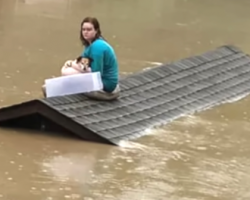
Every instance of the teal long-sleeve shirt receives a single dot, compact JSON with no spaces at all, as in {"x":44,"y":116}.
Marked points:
{"x":103,"y":60}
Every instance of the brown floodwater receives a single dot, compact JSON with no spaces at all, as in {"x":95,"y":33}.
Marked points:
{"x":198,"y":157}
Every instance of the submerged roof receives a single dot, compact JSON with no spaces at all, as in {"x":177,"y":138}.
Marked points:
{"x":148,"y":98}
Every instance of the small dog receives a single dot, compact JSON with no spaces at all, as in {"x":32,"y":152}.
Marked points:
{"x":84,"y":63}
{"x":80,"y":65}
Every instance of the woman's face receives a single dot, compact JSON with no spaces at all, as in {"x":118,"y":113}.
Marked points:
{"x":88,"y":31}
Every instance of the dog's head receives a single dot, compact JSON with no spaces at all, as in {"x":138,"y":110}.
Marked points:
{"x":85,"y":62}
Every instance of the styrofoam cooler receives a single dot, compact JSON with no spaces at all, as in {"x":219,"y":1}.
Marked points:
{"x":73,"y":84}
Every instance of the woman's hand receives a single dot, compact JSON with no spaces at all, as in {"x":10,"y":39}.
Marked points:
{"x":88,"y":70}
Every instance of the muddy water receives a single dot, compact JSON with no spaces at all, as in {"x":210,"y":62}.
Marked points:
{"x":199,"y":157}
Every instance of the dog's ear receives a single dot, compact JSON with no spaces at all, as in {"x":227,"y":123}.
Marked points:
{"x":78,"y":59}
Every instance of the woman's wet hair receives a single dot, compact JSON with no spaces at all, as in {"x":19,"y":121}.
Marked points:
{"x":96,"y":26}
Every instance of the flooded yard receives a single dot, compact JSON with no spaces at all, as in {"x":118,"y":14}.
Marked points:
{"x":198,"y":157}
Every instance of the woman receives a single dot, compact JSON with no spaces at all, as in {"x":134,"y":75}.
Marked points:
{"x":102,"y":59}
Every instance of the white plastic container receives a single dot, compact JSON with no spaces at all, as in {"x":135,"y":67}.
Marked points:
{"x":73,"y":84}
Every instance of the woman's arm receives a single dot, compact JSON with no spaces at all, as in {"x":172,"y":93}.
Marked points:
{"x":95,"y":53}
{"x":97,"y":62}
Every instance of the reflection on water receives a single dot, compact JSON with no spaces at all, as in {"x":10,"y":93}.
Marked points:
{"x":198,"y":157}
